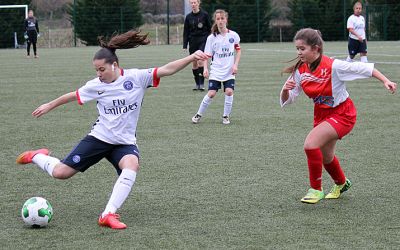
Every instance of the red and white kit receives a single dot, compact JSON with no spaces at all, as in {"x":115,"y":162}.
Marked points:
{"x":326,"y":86}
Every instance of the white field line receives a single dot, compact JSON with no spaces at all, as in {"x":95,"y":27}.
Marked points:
{"x":334,"y":54}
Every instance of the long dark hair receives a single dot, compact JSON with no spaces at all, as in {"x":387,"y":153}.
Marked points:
{"x":127,"y":40}
{"x":312,"y":38}
{"x":214,"y":28}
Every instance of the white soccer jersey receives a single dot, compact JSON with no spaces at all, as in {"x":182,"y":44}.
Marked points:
{"x":326,"y":85}
{"x":118,"y":104}
{"x":222,"y":50}
{"x":358,"y":24}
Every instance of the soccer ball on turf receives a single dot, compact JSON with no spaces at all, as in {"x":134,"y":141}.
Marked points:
{"x":37,"y":212}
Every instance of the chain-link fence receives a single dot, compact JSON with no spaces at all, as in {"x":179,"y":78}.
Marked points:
{"x":251,"y":21}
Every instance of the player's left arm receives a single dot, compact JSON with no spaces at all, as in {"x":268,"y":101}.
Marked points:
{"x":237,"y":59}
{"x":177,"y":65}
{"x":389,"y":85}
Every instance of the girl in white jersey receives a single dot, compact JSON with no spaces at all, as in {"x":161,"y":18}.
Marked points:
{"x":357,"y":39}
{"x":323,"y":79}
{"x":221,"y":46}
{"x":119,"y":95}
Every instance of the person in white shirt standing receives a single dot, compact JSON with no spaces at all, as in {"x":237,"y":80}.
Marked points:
{"x":119,"y":94}
{"x":224,"y":49}
{"x":357,"y":39}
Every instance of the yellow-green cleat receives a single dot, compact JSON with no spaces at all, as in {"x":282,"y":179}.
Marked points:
{"x":313,"y":196}
{"x":338,"y":189}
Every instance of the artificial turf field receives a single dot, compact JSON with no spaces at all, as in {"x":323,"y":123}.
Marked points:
{"x":203,"y":186}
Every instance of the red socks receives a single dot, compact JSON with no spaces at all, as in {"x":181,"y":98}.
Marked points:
{"x":314,"y":158}
{"x":335,"y":171}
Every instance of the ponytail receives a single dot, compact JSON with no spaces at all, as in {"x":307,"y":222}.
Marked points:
{"x":127,"y":40}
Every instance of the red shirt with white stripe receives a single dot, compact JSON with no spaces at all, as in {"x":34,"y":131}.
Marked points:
{"x":326,"y":84}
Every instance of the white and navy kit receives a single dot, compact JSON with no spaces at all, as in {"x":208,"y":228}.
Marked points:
{"x":222,"y":50}
{"x":354,"y":45}
{"x":118,"y":104}
{"x":358,"y":24}
{"x":114,"y":133}
{"x":326,"y":87}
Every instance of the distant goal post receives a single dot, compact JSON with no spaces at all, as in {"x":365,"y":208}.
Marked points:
{"x":16,"y":6}
{"x":22,"y":6}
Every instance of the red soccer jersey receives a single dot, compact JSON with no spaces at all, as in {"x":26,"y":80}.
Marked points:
{"x":326,"y":84}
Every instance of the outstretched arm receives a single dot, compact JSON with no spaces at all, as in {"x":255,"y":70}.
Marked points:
{"x":175,"y":66}
{"x":47,"y":107}
{"x":389,"y":85}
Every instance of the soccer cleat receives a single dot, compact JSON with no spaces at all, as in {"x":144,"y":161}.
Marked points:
{"x":112,"y":221}
{"x":225,"y":120}
{"x":313,"y":196}
{"x":196,"y":118}
{"x":26,"y":157}
{"x":338,"y":189}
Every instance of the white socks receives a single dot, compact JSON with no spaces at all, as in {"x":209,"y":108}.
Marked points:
{"x":364,"y":59}
{"x":204,"y":105}
{"x":121,"y":190}
{"x":207,"y":100}
{"x":45,"y":162}
{"x":228,"y":105}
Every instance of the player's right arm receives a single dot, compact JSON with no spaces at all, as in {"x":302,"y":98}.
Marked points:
{"x":47,"y":107}
{"x":290,"y":90}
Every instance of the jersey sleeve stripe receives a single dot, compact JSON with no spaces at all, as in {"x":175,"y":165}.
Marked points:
{"x":156,"y":80}
{"x":237,"y":47}
{"x":78,"y":98}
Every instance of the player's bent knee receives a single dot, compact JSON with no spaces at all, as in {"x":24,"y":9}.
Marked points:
{"x":63,"y":172}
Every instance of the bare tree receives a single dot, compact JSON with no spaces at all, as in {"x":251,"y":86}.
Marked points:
{"x":48,"y":8}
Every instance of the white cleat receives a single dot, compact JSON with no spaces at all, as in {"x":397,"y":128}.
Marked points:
{"x":196,"y":118}
{"x":225,"y":120}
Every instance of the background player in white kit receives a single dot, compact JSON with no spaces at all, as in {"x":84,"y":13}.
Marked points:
{"x":221,"y":45}
{"x":119,"y":95}
{"x":357,"y":39}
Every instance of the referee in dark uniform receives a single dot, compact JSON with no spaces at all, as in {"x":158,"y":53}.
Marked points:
{"x":32,"y":31}
{"x":195,"y":32}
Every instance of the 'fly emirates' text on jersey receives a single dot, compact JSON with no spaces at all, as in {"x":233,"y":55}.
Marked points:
{"x":118,"y":104}
{"x":222,"y":50}
{"x":326,"y":85}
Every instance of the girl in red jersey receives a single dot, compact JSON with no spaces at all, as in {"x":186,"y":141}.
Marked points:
{"x":323,"y":79}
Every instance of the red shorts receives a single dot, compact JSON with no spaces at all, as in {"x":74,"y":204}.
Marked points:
{"x":342,"y":117}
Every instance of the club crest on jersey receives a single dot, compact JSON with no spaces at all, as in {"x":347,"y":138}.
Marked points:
{"x":76,"y":158}
{"x":324,"y":72}
{"x":200,"y":25}
{"x":231,"y":40}
{"x":128,"y":85}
